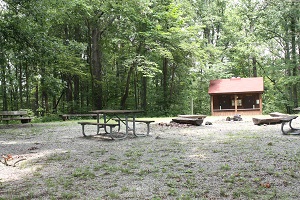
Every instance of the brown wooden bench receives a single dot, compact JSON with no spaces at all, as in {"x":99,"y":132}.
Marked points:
{"x":15,"y":115}
{"x":147,"y":122}
{"x":68,"y":116}
{"x":291,"y":130}
{"x":99,"y":125}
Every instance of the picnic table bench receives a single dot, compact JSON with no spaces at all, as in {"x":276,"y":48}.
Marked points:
{"x":147,"y":122}
{"x":288,"y":120}
{"x":15,"y":115}
{"x":100,"y":125}
{"x":68,"y":116}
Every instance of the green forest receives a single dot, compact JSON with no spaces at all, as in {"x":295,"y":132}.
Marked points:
{"x":72,"y":56}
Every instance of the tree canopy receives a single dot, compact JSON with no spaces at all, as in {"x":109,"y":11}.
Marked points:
{"x":59,"y":56}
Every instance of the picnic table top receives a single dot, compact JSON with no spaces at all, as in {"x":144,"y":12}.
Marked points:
{"x":116,"y":111}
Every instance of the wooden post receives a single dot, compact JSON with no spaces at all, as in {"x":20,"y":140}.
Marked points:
{"x":260,"y":103}
{"x":212,"y":104}
{"x":235,"y":103}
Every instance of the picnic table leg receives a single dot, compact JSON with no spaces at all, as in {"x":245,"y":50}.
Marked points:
{"x":293,"y":131}
{"x":83,"y":130}
{"x":116,"y":138}
{"x":133,"y":125}
{"x":140,"y":135}
{"x":110,"y":132}
{"x":134,"y":130}
{"x":119,"y":126}
{"x":282,"y":129}
{"x":126,"y":124}
{"x":119,"y":123}
{"x":148,"y":128}
{"x":105,"y":121}
{"x":290,"y":124}
{"x":98,"y":128}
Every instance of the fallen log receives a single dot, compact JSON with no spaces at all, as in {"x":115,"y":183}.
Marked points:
{"x":193,"y":121}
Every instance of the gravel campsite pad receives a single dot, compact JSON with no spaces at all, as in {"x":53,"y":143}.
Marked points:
{"x":225,"y":160}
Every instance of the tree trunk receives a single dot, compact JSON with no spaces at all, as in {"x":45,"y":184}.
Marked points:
{"x":97,"y":69}
{"x":69,"y":94}
{"x":165,"y":84}
{"x":254,"y":62}
{"x":288,"y":71}
{"x":20,"y":81}
{"x":126,"y":92}
{"x":45,"y":99}
{"x":294,"y":59}
{"x":172,"y":84}
{"x":76,"y":92}
{"x":36,"y":99}
{"x":136,"y":96}
{"x":89,"y":100}
{"x":27,"y":85}
{"x":13,"y":104}
{"x":3,"y":83}
{"x":144,"y":93}
{"x":207,"y":34}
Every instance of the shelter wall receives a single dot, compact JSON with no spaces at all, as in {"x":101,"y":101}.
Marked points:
{"x":231,"y":104}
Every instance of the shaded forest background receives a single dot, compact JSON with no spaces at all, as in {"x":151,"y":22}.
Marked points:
{"x":62,"y":56}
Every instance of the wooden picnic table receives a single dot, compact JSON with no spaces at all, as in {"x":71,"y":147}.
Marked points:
{"x":120,"y":116}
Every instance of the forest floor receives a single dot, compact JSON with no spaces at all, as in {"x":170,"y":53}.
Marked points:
{"x":225,"y":160}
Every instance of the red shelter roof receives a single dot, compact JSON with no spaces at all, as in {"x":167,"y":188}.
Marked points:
{"x":236,"y":85}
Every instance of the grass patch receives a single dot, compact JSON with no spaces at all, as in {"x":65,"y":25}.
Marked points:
{"x":83,"y":173}
{"x":225,"y":167}
{"x":59,"y":157}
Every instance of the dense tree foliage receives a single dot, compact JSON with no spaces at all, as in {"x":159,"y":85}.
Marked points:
{"x":60,"y":56}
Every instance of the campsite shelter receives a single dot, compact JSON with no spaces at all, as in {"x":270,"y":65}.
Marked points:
{"x":236,"y":95}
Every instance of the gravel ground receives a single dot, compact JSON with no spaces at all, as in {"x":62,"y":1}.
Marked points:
{"x":225,"y":160}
